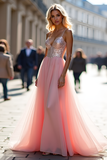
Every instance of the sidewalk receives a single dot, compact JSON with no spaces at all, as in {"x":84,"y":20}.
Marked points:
{"x":92,"y":95}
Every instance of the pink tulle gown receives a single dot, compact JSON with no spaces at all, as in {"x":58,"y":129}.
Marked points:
{"x":54,"y":121}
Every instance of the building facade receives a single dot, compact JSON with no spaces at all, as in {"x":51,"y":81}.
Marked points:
{"x":89,"y":25}
{"x":22,"y":20}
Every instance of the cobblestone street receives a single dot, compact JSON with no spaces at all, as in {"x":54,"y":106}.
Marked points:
{"x":92,"y":95}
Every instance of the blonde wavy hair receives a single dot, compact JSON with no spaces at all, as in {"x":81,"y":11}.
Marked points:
{"x":66,"y":22}
{"x":4,"y":41}
{"x":82,"y":54}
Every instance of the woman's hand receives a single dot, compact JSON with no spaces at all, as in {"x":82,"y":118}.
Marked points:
{"x":36,"y":82}
{"x":19,"y":67}
{"x":61,"y":81}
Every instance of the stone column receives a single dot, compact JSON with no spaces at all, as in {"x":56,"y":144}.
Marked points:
{"x":23,"y":30}
{"x":26,"y":28}
{"x":42,"y":38}
{"x":16,"y":32}
{"x":38,"y":35}
{"x":5,"y":19}
{"x":34,"y":30}
{"x":28,"y":23}
{"x":16,"y":28}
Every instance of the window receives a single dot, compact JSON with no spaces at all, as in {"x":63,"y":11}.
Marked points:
{"x":84,"y":17}
{"x":70,"y":11}
{"x":90,"y":34}
{"x":76,"y":29}
{"x":79,"y":16}
{"x":84,"y":31}
{"x":76,"y":14}
{"x":65,"y":7}
{"x":95,"y":21}
{"x":69,"y":1}
{"x":80,"y":30}
{"x":90,"y":19}
{"x":105,"y":37}
{"x":79,"y":3}
{"x":96,"y":34}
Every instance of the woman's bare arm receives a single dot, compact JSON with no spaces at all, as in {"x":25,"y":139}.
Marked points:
{"x":46,"y":50}
{"x":69,"y":42}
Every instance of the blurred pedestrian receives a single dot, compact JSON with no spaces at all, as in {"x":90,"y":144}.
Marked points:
{"x":16,"y":69}
{"x":105,"y":60}
{"x":99,"y":61}
{"x":27,"y":61}
{"x":6,"y":70}
{"x":40,"y":54}
{"x":4,"y":41}
{"x":78,"y":65}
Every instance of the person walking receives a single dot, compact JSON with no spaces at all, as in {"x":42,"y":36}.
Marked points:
{"x":27,"y":62}
{"x":99,"y":61}
{"x":40,"y":54}
{"x":78,"y":65}
{"x":105,"y":60}
{"x":6,"y":70}
{"x":54,"y":121}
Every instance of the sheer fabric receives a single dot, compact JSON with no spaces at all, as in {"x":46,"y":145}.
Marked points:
{"x":54,"y":121}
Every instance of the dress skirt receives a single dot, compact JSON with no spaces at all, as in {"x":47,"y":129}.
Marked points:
{"x":53,"y":120}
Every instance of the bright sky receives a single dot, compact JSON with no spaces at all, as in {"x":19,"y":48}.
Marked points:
{"x":98,"y":1}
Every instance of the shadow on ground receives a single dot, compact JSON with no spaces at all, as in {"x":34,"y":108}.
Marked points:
{"x":14,"y":155}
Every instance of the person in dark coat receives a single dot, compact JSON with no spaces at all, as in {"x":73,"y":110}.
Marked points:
{"x":105,"y":60}
{"x":99,"y":61}
{"x":27,"y":62}
{"x":78,"y":65}
{"x":40,"y":54}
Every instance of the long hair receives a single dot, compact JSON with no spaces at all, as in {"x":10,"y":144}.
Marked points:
{"x":66,"y":22}
{"x":82,"y":54}
{"x":4,"y":41}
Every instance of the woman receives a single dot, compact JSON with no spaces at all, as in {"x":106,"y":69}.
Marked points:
{"x":40,"y":54}
{"x":78,"y":65}
{"x":6,"y":70}
{"x":54,"y":122}
{"x":7,"y":51}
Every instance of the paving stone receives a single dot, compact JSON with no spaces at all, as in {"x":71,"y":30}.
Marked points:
{"x":39,"y":155}
{"x":29,"y":159}
{"x":1,"y":155}
{"x":8,"y":151}
{"x":52,"y":157}
{"x":78,"y":157}
{"x":6,"y":158}
{"x":94,"y":102}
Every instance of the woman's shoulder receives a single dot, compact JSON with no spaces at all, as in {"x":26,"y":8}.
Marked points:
{"x":68,"y":31}
{"x":48,"y":34}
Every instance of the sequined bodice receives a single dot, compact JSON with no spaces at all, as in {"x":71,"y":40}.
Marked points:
{"x":57,"y":48}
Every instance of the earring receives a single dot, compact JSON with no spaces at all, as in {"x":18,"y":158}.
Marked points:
{"x":62,"y":19}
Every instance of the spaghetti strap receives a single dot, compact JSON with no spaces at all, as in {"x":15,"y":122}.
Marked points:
{"x":64,"y":32}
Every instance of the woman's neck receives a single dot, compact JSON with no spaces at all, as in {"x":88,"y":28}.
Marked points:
{"x":60,"y":26}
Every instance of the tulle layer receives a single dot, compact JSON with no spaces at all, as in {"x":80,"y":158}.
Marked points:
{"x":54,"y":121}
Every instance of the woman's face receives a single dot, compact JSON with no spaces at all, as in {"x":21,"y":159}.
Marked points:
{"x":78,"y":54}
{"x":39,"y":51}
{"x":56,"y":17}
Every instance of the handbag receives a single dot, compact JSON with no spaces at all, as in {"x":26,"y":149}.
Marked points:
{"x":16,"y":69}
